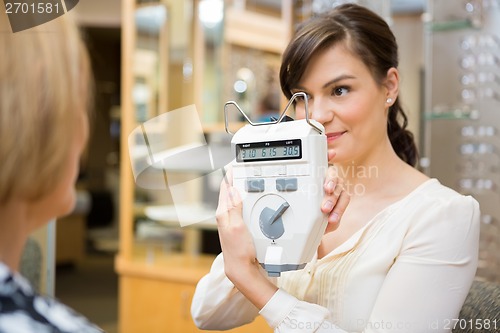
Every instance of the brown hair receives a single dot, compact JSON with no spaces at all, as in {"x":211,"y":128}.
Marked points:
{"x":45,"y":83}
{"x":365,"y":34}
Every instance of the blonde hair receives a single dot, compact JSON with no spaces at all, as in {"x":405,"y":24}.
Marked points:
{"x":44,"y":84}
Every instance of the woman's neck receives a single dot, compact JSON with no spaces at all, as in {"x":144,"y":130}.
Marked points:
{"x":372,"y":173}
{"x":14,"y":230}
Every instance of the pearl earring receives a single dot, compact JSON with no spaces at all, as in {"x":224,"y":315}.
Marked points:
{"x":389,"y":100}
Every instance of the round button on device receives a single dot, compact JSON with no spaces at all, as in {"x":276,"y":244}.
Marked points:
{"x":270,"y":221}
{"x":272,"y":211}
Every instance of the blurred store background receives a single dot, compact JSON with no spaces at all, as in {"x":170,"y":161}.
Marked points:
{"x":121,"y":258}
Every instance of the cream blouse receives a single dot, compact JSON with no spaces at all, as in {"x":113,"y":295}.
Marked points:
{"x":408,"y":270}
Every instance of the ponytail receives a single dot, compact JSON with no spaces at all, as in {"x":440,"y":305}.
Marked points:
{"x":402,"y":140}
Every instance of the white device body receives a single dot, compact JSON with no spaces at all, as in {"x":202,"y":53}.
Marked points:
{"x":288,"y":184}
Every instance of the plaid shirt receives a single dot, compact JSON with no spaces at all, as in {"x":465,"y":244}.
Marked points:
{"x":22,"y":310}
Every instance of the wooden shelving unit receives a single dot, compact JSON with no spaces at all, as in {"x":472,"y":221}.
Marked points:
{"x":156,"y":285}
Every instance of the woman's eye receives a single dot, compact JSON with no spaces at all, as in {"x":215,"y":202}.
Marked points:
{"x":340,"y":91}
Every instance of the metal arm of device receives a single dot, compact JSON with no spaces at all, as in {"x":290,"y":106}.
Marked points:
{"x":282,"y":115}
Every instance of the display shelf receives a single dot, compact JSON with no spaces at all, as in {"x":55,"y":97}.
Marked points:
{"x":449,"y":25}
{"x":449,"y":116}
{"x":202,"y":216}
{"x":157,"y":280}
{"x":449,"y":112}
{"x":461,"y":130}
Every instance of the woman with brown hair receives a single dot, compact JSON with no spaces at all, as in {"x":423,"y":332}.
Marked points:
{"x":405,"y":253}
{"x":44,"y":101}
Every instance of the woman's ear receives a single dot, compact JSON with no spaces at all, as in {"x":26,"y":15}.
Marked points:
{"x":392,"y":83}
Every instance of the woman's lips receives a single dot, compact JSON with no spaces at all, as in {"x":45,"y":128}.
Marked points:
{"x":334,"y":136}
{"x":331,"y":137}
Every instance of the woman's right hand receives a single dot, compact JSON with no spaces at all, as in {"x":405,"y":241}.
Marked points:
{"x":240,"y":263}
{"x":236,"y":240}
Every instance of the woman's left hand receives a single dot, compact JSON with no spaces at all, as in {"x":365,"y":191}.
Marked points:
{"x":336,"y":199}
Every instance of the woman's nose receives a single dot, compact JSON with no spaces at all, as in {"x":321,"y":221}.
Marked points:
{"x":320,"y":111}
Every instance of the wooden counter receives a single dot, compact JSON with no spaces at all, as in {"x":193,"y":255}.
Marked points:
{"x":156,"y":290}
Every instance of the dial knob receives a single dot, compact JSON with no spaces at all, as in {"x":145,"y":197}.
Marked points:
{"x":271,"y":222}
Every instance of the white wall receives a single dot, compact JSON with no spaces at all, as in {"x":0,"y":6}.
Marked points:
{"x":409,"y":33}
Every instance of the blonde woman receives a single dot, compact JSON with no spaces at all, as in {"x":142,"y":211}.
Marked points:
{"x":405,"y":253}
{"x":44,"y":94}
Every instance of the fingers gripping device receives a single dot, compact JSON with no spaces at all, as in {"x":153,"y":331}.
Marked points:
{"x":279,"y":171}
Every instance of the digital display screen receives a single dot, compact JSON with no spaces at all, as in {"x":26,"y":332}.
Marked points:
{"x":270,"y":150}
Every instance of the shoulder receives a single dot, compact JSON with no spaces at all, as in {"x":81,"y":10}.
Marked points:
{"x":439,"y":213}
{"x":434,"y":197}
